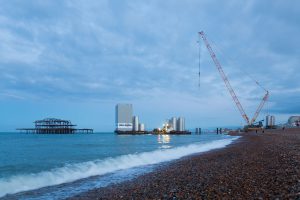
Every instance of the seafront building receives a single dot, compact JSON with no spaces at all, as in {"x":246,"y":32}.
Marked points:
{"x":270,"y":121}
{"x":126,"y":122}
{"x":180,"y":125}
{"x":294,"y":121}
{"x":135,"y":121}
{"x":124,"y":117}
{"x":172,"y":123}
{"x":141,"y":127}
{"x":198,"y":131}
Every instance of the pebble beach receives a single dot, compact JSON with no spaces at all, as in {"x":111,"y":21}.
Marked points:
{"x":256,"y":166}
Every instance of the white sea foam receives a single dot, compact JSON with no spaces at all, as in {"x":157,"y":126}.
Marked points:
{"x":78,"y":171}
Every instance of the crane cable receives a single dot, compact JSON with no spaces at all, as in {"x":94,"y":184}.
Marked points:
{"x":199,"y":63}
{"x":242,"y":70}
{"x":230,"y":62}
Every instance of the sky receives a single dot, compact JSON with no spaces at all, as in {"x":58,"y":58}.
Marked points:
{"x":76,"y":59}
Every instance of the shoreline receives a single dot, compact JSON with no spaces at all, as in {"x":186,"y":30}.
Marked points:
{"x":134,"y":165}
{"x":253,"y":166}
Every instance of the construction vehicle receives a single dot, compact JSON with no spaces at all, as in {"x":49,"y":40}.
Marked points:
{"x":250,"y":124}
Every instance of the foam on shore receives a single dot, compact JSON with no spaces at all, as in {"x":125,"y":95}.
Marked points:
{"x":73,"y":172}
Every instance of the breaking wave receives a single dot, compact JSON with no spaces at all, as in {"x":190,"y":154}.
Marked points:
{"x":73,"y":172}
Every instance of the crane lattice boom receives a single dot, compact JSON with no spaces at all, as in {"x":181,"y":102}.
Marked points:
{"x":262,"y":103}
{"x":224,"y":77}
{"x":229,"y":87}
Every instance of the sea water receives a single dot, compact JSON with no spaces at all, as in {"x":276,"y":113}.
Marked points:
{"x":36,"y":166}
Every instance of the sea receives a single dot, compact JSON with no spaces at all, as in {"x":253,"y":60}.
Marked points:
{"x":42,"y":167}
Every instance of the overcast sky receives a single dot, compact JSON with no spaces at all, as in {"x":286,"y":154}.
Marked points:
{"x":76,"y":59}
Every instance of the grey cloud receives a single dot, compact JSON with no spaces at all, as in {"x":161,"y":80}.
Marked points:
{"x":127,"y":50}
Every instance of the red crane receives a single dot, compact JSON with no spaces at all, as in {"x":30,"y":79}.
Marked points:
{"x":229,"y":87}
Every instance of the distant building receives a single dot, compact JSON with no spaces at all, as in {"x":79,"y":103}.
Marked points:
{"x":135,"y":122}
{"x":198,"y":131}
{"x":294,"y":121}
{"x":124,"y":117}
{"x":180,"y":125}
{"x":270,"y":121}
{"x":141,"y":127}
{"x":172,"y":123}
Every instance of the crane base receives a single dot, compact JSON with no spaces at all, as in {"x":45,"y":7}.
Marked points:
{"x":249,"y":128}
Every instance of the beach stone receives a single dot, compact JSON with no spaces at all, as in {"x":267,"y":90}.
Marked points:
{"x":256,"y":167}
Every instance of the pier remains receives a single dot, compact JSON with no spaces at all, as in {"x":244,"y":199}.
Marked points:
{"x":55,"y":126}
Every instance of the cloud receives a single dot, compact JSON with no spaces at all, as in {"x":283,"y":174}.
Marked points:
{"x":132,"y":51}
{"x":11,"y":96}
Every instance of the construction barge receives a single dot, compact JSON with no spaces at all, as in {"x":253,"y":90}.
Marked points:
{"x":131,"y":132}
{"x":154,"y":132}
{"x":54,"y":126}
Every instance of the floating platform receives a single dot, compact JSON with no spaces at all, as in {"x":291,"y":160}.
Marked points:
{"x":153,"y":133}
{"x":172,"y":133}
{"x":131,"y":132}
